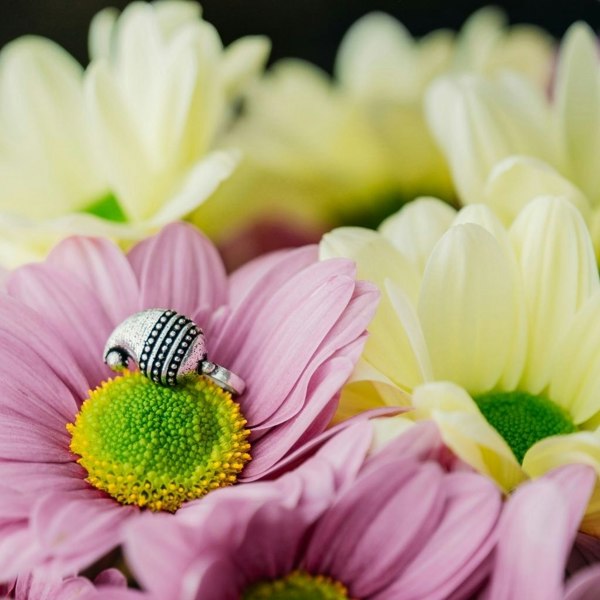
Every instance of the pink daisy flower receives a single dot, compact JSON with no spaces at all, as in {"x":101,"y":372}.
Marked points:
{"x":344,"y":524}
{"x":108,"y":585}
{"x":536,"y":536}
{"x":292,"y":327}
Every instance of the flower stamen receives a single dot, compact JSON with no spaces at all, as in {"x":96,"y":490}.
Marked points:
{"x":523,"y":419}
{"x":156,"y":446}
{"x":298,"y":585}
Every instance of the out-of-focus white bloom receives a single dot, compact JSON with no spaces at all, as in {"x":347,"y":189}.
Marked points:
{"x":505,"y":129}
{"x":490,"y":331}
{"x":46,"y":160}
{"x":130,"y":144}
{"x":357,"y":147}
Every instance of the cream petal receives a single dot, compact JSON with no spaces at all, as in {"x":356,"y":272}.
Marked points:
{"x":242,"y":62}
{"x":468,"y":308}
{"x":594,"y":225}
{"x":378,"y":57}
{"x":466,"y":432}
{"x":123,"y":154}
{"x":394,"y":346}
{"x":416,"y":228}
{"x":175,"y":14}
{"x":375,"y":257}
{"x":101,"y":33}
{"x":199,"y":184}
{"x":517,"y":180}
{"x":478,"y":37}
{"x":576,"y":448}
{"x":478,"y":122}
{"x":559,"y":274}
{"x":575,"y":379}
{"x":481,"y":215}
{"x":416,"y":347}
{"x":578,"y":106}
{"x":46,"y":163}
{"x":529,"y":50}
{"x":386,"y":429}
{"x":24,"y":240}
{"x":389,"y":348}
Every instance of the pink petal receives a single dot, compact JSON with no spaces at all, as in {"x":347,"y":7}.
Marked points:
{"x":21,"y":438}
{"x":35,"y":478}
{"x":263,"y":275}
{"x":585,"y":551}
{"x":180,"y":269}
{"x":112,"y":593}
{"x":214,"y":546}
{"x":71,"y":310}
{"x":274,"y":347}
{"x":44,"y":398}
{"x":321,"y":392}
{"x":47,"y":587}
{"x":585,"y":585}
{"x":449,"y":557}
{"x":74,"y":530}
{"x":346,"y":338}
{"x":308,"y":449}
{"x":156,"y":551}
{"x":112,"y":577}
{"x":14,"y":507}
{"x":536,"y":533}
{"x":421,"y":442}
{"x":358,"y":526}
{"x":19,"y":325}
{"x":18,"y":550}
{"x":102,"y":266}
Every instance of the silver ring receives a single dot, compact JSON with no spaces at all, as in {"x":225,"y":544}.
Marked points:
{"x":223,"y":377}
{"x":166,"y":346}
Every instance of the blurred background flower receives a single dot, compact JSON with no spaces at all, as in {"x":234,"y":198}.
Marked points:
{"x":316,"y":150}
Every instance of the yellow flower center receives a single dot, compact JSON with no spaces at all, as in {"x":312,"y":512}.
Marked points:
{"x":523,"y":419}
{"x":158,"y":446}
{"x":297,"y":586}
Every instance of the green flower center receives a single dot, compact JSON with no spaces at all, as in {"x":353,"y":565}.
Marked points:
{"x":523,"y":419}
{"x":107,"y":208}
{"x":158,"y":446}
{"x":297,"y":586}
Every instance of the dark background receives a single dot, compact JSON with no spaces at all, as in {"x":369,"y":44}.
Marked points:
{"x":309,"y":29}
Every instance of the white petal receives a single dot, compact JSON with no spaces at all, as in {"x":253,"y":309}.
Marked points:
{"x":242,"y":62}
{"x":378,"y":57}
{"x":375,"y":257}
{"x":118,"y":144}
{"x":559,"y":274}
{"x":469,"y":309}
{"x":45,"y":161}
{"x":578,"y":106}
{"x":416,"y":228}
{"x":477,"y":123}
{"x":199,"y":184}
{"x":517,"y":180}
{"x":478,"y":37}
{"x":575,"y":382}
{"x":466,"y":432}
{"x":481,"y":215}
{"x":101,"y":33}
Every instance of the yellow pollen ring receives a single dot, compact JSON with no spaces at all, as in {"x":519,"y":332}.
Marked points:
{"x":297,"y":585}
{"x":157,"y":447}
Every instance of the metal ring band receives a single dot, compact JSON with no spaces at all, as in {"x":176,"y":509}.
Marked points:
{"x":223,"y":377}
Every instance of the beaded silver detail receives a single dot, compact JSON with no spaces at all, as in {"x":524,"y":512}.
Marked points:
{"x":166,"y":346}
